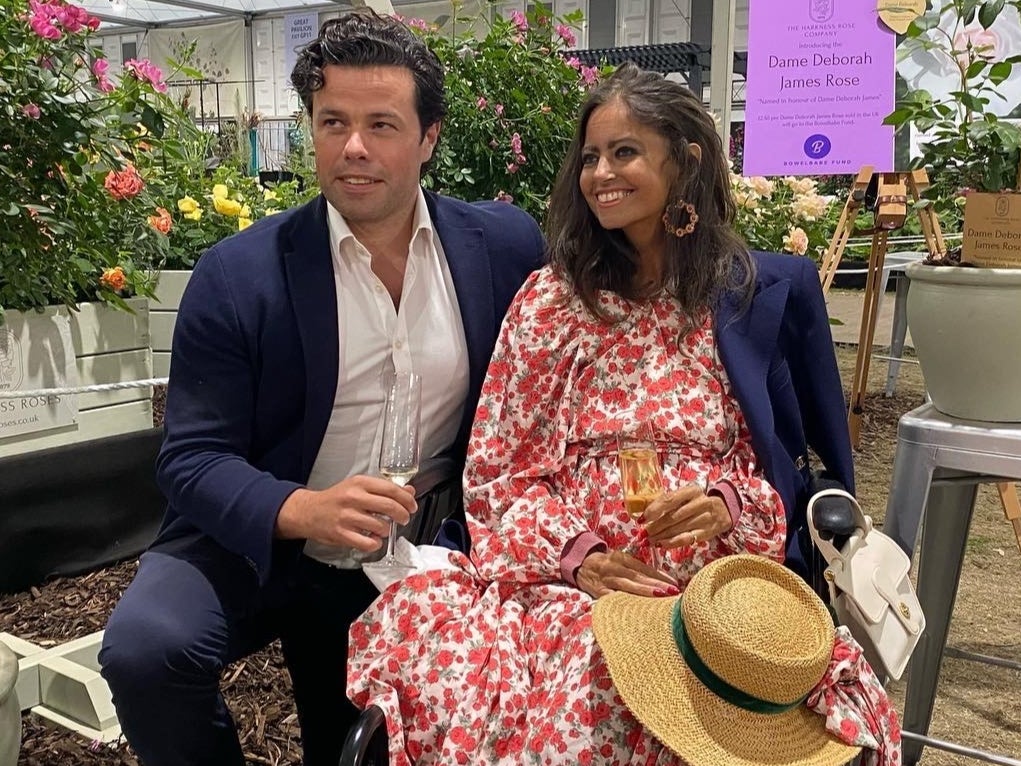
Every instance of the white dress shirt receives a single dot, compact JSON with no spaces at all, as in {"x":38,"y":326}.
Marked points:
{"x":424,"y":335}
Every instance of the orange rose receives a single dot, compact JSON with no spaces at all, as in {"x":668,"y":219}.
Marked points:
{"x":162,"y":221}
{"x":113,"y":278}
{"x":124,"y":184}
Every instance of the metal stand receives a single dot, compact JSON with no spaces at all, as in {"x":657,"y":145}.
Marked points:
{"x":938,"y":464}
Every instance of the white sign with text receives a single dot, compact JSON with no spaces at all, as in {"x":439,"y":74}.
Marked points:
{"x":299,"y":30}
{"x":36,"y":353}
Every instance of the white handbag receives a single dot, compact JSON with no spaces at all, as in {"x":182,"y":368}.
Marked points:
{"x":870,"y":590}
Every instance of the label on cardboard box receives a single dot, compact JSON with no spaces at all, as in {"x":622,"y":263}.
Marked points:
{"x":992,"y":230}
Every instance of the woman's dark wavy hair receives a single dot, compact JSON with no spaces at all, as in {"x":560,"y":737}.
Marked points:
{"x":698,"y":268}
{"x":363,"y":38}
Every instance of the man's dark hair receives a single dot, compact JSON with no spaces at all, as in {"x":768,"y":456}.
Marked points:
{"x":363,"y":39}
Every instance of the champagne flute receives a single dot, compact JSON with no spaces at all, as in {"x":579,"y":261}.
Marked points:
{"x":641,"y":477}
{"x":398,"y":456}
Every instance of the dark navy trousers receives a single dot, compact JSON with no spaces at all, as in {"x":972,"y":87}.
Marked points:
{"x":192,"y":609}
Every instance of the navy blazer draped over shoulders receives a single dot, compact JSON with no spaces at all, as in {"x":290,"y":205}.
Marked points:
{"x":779,"y":357}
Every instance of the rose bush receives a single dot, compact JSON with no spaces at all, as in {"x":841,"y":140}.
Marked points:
{"x":204,"y":210}
{"x":106,"y":182}
{"x":513,"y":98}
{"x":74,"y":145}
{"x":785,"y":214}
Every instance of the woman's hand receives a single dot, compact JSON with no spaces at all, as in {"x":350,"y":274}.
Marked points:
{"x":602,"y":573}
{"x":685,"y":517}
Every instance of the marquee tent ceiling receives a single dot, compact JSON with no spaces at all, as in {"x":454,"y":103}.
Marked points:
{"x":149,"y":14}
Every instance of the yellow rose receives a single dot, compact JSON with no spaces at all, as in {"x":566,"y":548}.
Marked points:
{"x":761,"y":186}
{"x":268,"y":194}
{"x":194,"y":215}
{"x":246,"y":212}
{"x":244,"y":223}
{"x":796,"y":241}
{"x":187,"y":205}
{"x":220,"y":191}
{"x":227,"y":207}
{"x":810,"y":206}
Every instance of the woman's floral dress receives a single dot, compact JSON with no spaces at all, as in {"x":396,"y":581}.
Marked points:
{"x":495,"y":662}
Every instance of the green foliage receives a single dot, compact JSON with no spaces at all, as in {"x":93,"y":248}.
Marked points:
{"x":105,"y":183}
{"x":513,"y":101}
{"x":968,"y":147}
{"x":207,"y":209}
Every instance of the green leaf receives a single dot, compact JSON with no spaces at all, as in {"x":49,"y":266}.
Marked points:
{"x":898,"y":116}
{"x":1000,"y":71}
{"x":976,"y":67}
{"x":969,"y":9}
{"x":988,"y":12}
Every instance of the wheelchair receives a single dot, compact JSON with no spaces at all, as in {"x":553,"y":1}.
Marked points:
{"x":440,"y":507}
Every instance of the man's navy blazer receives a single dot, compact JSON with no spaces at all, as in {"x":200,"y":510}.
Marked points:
{"x":255,"y":358}
{"x":779,"y":357}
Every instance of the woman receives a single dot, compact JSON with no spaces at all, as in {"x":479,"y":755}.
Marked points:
{"x":649,"y":312}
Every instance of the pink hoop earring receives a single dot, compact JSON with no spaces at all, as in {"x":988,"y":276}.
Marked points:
{"x":680,"y":207}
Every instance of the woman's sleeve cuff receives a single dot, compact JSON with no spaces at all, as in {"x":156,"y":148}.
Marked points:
{"x":731,"y":498}
{"x":575,"y":552}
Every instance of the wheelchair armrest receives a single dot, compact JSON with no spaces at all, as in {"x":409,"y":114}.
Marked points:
{"x":367,"y":743}
{"x":438,"y":492}
{"x":834,"y":517}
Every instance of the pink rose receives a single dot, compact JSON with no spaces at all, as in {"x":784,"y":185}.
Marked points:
{"x":145,"y":71}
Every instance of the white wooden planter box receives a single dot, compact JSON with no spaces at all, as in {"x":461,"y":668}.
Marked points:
{"x":163,"y":316}
{"x":110,"y":346}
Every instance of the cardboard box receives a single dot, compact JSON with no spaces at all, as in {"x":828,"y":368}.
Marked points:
{"x":992,"y":230}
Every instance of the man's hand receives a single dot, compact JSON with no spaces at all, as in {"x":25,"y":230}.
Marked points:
{"x":602,"y":573}
{"x":345,"y":514}
{"x":685,"y":517}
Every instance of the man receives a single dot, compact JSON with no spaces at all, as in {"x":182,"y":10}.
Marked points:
{"x":284,"y":337}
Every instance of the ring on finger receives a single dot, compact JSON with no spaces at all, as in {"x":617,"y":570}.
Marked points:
{"x":694,"y":538}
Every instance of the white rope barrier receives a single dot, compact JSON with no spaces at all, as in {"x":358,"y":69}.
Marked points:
{"x":67,"y":391}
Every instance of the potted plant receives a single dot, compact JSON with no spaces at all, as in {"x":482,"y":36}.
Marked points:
{"x":963,"y":321}
{"x":76,"y":148}
{"x":80,"y":224}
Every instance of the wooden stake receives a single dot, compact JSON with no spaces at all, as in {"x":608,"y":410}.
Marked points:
{"x":1011,"y":508}
{"x":845,"y":228}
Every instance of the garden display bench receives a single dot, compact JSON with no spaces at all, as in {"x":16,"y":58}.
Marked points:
{"x":10,"y":710}
{"x":106,"y":346}
{"x":163,"y":317}
{"x":62,"y":684}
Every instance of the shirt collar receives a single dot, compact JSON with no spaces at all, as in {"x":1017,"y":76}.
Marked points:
{"x":341,"y":235}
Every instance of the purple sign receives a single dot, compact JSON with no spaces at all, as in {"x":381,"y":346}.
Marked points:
{"x":820,"y":82}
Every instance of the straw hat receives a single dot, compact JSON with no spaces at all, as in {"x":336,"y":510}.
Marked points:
{"x":763,"y":640}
